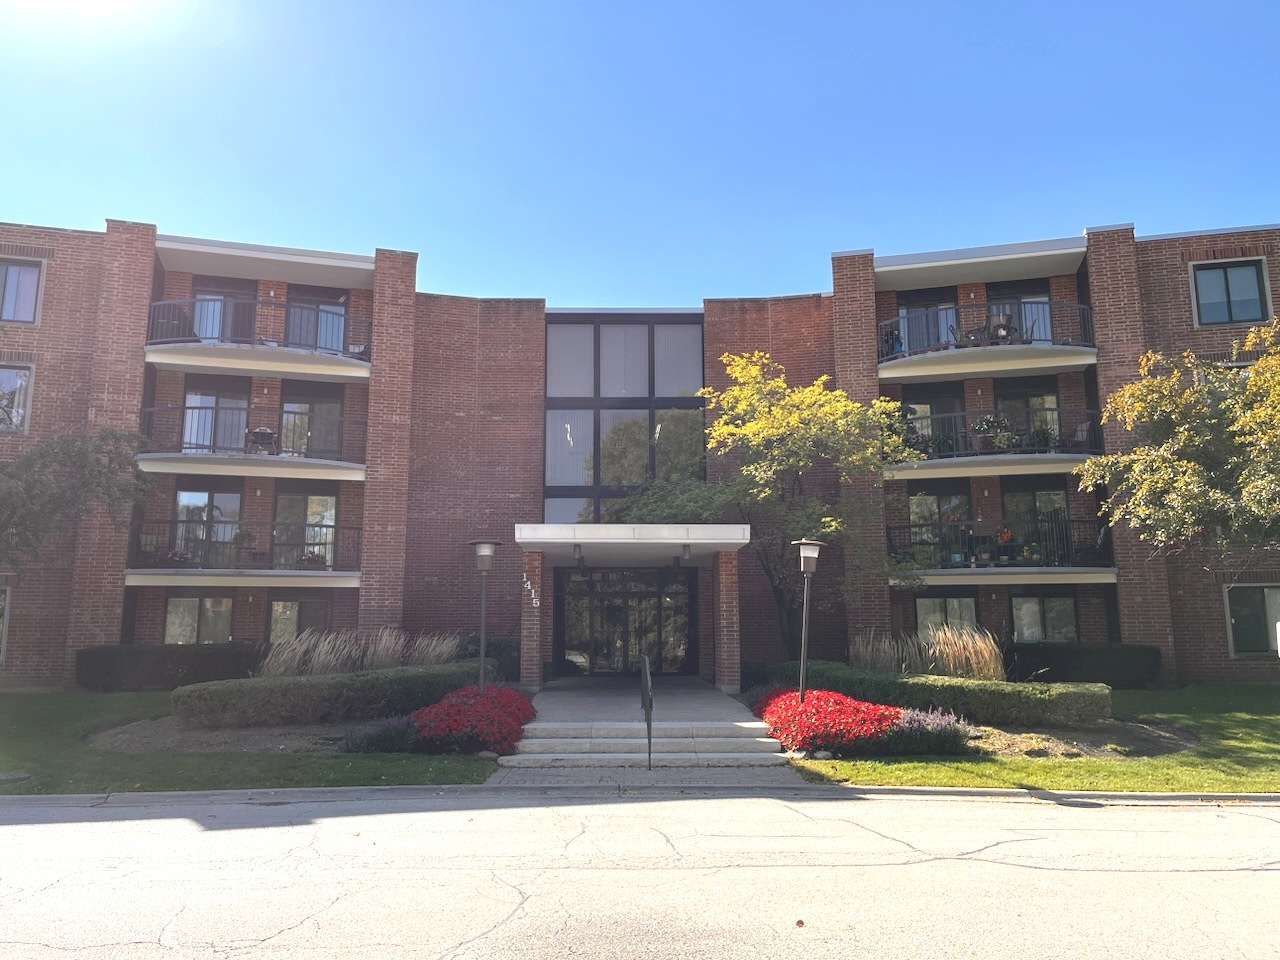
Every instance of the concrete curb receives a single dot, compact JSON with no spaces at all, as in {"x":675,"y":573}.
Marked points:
{"x":466,"y":791}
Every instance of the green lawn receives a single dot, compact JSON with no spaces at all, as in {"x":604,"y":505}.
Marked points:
{"x":1240,"y":752}
{"x":43,"y":734}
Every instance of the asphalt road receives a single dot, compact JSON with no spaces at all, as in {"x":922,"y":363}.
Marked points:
{"x":491,"y":872}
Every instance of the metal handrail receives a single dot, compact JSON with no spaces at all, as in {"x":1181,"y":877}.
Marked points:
{"x":646,"y":701}
{"x":1020,"y":430}
{"x":266,"y":431}
{"x":982,"y":324}
{"x":319,"y":328}
{"x":219,"y":544}
{"x":1044,"y":542}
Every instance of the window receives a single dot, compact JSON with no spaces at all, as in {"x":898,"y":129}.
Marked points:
{"x":1044,"y":620}
{"x":1254,"y":613}
{"x":216,"y":415}
{"x":224,"y":309}
{"x":293,"y":614}
{"x":305,"y":531}
{"x":311,"y":421}
{"x":1230,"y":293}
{"x":15,"y":396}
{"x":316,"y":319}
{"x":940,"y":611}
{"x":198,"y":619}
{"x":19,"y":289}
{"x":206,"y":526}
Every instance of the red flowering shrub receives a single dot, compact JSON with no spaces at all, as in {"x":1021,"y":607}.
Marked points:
{"x":826,"y":721}
{"x":468,"y":721}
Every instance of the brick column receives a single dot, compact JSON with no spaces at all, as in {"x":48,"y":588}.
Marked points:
{"x":728,"y":669}
{"x":269,"y":322}
{"x":531,"y":623}
{"x":857,"y":373}
{"x":114,"y":400}
{"x":1143,"y":583}
{"x":386,"y":496}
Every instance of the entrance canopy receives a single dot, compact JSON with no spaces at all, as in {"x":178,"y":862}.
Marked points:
{"x":632,"y":544}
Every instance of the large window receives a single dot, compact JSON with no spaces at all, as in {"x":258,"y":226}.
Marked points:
{"x":316,"y":319}
{"x":1044,"y":619}
{"x":1230,"y":292}
{"x":216,"y":415}
{"x":15,"y":398}
{"x":198,"y":619}
{"x":311,"y":421}
{"x":621,"y":411}
{"x":941,"y":611}
{"x":19,"y":289}
{"x":305,"y":529}
{"x":293,"y":613}
{"x":206,"y":526}
{"x":1254,"y":613}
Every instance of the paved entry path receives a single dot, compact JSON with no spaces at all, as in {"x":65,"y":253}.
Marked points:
{"x":675,"y":699}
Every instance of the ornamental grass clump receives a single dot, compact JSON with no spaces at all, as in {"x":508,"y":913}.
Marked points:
{"x":845,"y":727}
{"x":320,"y":652}
{"x":468,"y":721}
{"x":942,"y":650}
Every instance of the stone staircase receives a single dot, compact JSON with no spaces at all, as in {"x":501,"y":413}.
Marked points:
{"x":676,"y":743}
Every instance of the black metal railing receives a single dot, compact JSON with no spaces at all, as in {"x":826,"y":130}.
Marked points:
{"x":1017,"y":430}
{"x":218,"y":544}
{"x":994,"y":323}
{"x":320,"y":328}
{"x":1044,"y":542}
{"x":257,"y":430}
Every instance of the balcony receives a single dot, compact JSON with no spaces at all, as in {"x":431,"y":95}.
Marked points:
{"x":224,"y":335}
{"x":1000,"y":443}
{"x":968,"y":552}
{"x":221,"y":553}
{"x":997,"y":338}
{"x":252,"y":442}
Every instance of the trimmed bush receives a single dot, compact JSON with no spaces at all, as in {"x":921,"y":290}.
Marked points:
{"x":978,"y":701}
{"x":504,"y":650}
{"x":1122,"y":666}
{"x":332,"y":698}
{"x":130,"y":667}
{"x":468,"y":721}
{"x":389,"y":735}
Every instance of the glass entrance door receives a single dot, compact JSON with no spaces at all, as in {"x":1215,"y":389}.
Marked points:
{"x":607,"y":619}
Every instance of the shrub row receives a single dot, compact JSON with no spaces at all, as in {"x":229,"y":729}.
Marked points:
{"x":1122,"y":666}
{"x":505,"y":651}
{"x":130,"y":667}
{"x":331,"y":698}
{"x":978,"y":701}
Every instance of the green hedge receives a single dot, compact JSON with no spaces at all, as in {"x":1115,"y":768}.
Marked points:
{"x":978,"y":701}
{"x":332,"y":698}
{"x":504,"y":650}
{"x":1121,"y":666}
{"x":127,"y":668}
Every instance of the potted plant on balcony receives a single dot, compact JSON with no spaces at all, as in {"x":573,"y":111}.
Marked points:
{"x":172,"y":557}
{"x":1043,"y":439}
{"x":312,"y":560}
{"x":988,"y":427}
{"x":1031,"y":554}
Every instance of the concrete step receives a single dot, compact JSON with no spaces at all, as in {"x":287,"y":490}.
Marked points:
{"x":616,"y":730}
{"x":564,"y":745}
{"x":641,"y":760}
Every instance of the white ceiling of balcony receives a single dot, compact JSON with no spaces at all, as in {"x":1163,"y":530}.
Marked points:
{"x":632,"y":545}
{"x":1006,"y":261}
{"x":250,"y":261}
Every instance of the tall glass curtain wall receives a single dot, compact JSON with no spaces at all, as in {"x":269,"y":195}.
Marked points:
{"x":622,"y":409}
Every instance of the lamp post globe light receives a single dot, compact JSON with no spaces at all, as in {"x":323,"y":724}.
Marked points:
{"x":485,"y":550}
{"x":809,"y":550}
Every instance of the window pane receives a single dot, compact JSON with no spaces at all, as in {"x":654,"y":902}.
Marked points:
{"x":1059,"y":619}
{"x":624,"y":447}
{"x":679,"y":443}
{"x":1246,"y":296}
{"x":180,"y":620}
{"x":930,"y":612}
{"x":953,"y":507}
{"x":568,"y":510}
{"x":677,"y":360}
{"x":962,"y":611}
{"x":14,"y":384}
{"x":1211,"y":291}
{"x":570,"y":448}
{"x":19,"y":283}
{"x":570,"y":360}
{"x":624,"y":360}
{"x":1249,"y":629}
{"x":284,"y":620}
{"x":215,"y":619}
{"x":612,"y":509}
{"x":1027,"y":627}
{"x":923,"y":508}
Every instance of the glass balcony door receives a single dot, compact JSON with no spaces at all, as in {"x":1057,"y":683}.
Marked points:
{"x":305,"y":530}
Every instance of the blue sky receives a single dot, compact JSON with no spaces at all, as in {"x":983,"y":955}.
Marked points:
{"x":655,"y":153}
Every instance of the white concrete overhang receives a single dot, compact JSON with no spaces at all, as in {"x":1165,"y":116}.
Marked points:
{"x":186,"y":577}
{"x":987,"y":465}
{"x":1013,"y":576}
{"x":632,"y":545}
{"x":999,"y":360}
{"x":249,"y":465}
{"x":1005,"y":261}
{"x":251,"y":261}
{"x":263,"y":359}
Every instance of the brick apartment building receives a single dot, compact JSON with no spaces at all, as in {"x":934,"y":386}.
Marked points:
{"x":324,"y":441}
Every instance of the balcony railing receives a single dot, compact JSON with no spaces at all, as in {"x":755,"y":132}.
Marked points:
{"x":1046,"y":542}
{"x":307,"y":326}
{"x":1023,"y":430}
{"x":233,"y":545}
{"x":985,"y":324}
{"x":257,"y":430}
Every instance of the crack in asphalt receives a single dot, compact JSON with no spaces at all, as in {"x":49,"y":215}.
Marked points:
{"x":518,"y":908}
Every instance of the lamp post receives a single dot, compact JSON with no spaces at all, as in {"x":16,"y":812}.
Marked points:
{"x":484,"y":560}
{"x":808,"y":566}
